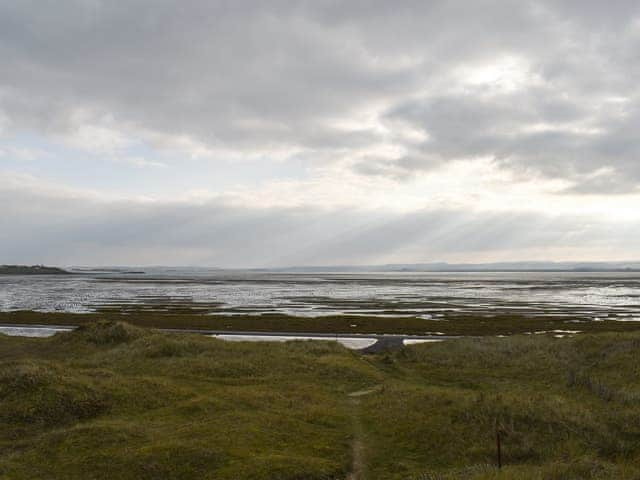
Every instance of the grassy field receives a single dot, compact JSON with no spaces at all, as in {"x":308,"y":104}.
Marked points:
{"x":452,"y":325}
{"x":114,"y":401}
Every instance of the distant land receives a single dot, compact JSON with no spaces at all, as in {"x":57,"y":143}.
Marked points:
{"x":31,"y":270}
{"x":435,"y":267}
{"x":95,"y":270}
{"x":472,"y":267}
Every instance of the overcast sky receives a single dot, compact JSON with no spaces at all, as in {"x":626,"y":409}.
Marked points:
{"x":252,"y":133}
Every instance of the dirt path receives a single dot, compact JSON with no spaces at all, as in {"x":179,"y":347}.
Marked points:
{"x":357,"y":449}
{"x":357,"y":446}
{"x":369,"y":391}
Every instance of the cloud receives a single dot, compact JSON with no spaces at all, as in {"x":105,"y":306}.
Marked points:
{"x":536,"y":130}
{"x":50,"y":225}
{"x":139,"y":162}
{"x":541,"y":86}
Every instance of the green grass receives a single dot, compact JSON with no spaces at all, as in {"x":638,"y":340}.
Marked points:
{"x":112,"y":400}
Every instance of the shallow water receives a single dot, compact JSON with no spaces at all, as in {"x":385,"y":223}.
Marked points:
{"x":37,"y":331}
{"x":353,"y":343}
{"x":349,"y":342}
{"x":588,"y":296}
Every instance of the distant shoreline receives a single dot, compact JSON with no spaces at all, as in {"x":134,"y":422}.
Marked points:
{"x":328,"y":270}
{"x":32,"y":270}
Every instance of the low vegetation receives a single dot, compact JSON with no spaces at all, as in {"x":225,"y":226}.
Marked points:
{"x":187,"y":318}
{"x":112,"y":400}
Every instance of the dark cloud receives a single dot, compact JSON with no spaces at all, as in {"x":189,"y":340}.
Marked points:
{"x":254,"y":76}
{"x":529,"y":131}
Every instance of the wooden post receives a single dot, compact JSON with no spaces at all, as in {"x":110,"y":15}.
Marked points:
{"x":498,"y":448}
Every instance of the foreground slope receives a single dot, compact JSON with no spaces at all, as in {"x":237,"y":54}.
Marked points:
{"x":115,"y":401}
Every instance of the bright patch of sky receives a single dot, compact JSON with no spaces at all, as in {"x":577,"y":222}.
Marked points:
{"x":137,"y":169}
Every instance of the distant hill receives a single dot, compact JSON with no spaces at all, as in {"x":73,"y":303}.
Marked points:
{"x":31,"y":270}
{"x":473,"y":267}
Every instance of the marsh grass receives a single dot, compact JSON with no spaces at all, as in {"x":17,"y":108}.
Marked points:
{"x":111,"y":400}
{"x":498,"y":324}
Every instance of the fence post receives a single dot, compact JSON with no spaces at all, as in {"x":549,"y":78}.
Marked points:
{"x":498,"y":448}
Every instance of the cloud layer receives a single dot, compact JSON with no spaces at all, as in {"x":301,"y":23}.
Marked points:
{"x":49,"y":225}
{"x":315,"y":104}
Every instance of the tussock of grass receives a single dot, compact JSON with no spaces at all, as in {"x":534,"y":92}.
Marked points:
{"x":22,"y":378}
{"x":106,"y":333}
{"x":115,"y":401}
{"x":34,"y":394}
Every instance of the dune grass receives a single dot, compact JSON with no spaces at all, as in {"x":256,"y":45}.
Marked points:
{"x":455,"y":396}
{"x":111,"y":400}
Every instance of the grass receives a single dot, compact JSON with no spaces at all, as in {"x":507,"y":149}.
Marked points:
{"x":499,"y":324}
{"x":112,"y":400}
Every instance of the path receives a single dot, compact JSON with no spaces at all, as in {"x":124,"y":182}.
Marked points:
{"x":357,"y":446}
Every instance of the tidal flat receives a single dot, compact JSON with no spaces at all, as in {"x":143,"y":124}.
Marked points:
{"x":113,"y":400}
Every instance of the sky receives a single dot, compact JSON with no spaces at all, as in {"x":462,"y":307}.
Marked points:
{"x":256,"y":134}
